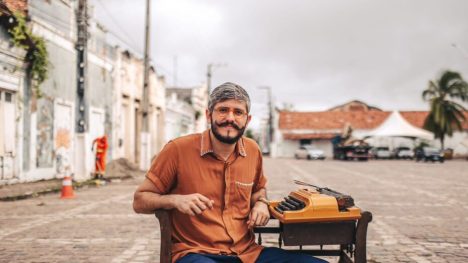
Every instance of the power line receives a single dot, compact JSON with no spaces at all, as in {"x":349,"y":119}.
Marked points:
{"x":114,"y":21}
{"x":125,"y":42}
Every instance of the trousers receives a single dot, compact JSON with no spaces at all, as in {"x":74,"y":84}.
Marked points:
{"x":268,"y":255}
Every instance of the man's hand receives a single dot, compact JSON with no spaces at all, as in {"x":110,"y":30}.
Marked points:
{"x":192,"y":204}
{"x":259,"y":215}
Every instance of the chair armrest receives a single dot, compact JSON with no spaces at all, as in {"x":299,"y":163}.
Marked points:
{"x":361,"y":237}
{"x":164,"y":217}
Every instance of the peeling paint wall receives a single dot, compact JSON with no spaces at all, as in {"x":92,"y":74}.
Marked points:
{"x":100,"y":85}
{"x":59,"y":85}
{"x":12,"y":74}
{"x":45,"y":133}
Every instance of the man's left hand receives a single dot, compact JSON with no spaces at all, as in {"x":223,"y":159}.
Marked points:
{"x":259,"y":215}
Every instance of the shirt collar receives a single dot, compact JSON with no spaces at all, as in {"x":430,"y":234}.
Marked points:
{"x":207,"y":147}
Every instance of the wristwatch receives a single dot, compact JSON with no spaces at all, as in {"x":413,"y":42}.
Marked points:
{"x":263,"y":200}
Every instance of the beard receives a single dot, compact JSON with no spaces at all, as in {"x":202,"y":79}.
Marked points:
{"x":227,"y":139}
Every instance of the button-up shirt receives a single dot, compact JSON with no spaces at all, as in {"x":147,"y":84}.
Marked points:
{"x":189,"y":165}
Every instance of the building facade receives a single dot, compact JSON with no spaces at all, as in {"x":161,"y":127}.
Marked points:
{"x":318,"y":128}
{"x":42,"y":141}
{"x":13,"y":84}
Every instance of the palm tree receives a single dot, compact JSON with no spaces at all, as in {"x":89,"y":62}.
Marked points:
{"x":447,"y":114}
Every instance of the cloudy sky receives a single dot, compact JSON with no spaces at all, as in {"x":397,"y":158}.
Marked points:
{"x":314,"y":54}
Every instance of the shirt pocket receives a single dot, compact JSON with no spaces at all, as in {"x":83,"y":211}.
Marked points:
{"x":242,"y":196}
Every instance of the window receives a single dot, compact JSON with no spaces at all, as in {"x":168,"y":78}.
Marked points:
{"x":8,"y":97}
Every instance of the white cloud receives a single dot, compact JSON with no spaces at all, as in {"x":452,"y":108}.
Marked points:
{"x":313,"y":53}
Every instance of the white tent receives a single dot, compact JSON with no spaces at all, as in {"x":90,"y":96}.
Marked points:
{"x":396,"y":126}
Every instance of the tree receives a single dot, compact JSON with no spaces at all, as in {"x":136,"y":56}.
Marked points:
{"x":446,"y":115}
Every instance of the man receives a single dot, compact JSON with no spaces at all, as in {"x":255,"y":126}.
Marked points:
{"x":214,"y":182}
{"x":100,"y":161}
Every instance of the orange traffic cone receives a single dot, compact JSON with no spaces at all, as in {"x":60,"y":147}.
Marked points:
{"x":67,"y":188}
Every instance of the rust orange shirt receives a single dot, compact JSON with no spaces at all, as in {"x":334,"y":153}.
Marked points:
{"x":188,"y":165}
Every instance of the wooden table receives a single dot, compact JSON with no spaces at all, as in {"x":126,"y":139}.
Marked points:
{"x":351,"y":236}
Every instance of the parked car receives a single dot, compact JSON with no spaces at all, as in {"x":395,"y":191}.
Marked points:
{"x":429,"y":154}
{"x":402,"y":153}
{"x":381,"y":153}
{"x":350,"y":149}
{"x":309,"y":152}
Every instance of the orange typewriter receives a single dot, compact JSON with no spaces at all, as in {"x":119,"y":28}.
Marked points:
{"x":314,"y":205}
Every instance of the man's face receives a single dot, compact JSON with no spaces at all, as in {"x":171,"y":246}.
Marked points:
{"x":229,"y":120}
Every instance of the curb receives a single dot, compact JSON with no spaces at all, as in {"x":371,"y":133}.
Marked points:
{"x":76,"y":185}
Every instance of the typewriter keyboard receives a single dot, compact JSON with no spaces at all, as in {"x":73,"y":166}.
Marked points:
{"x":290,"y":203}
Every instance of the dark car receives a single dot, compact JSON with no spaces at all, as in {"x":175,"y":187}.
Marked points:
{"x":429,"y":154}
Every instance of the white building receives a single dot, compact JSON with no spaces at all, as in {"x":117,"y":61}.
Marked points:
{"x":128,"y":99}
{"x":180,"y":117}
{"x":12,"y":87}
{"x":197,"y":98}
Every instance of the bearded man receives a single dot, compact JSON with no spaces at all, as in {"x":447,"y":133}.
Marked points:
{"x":214,"y":183}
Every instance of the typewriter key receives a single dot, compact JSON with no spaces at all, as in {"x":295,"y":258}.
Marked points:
{"x":290,"y":206}
{"x":298,"y":201}
{"x":292,"y":202}
{"x":279,"y":209}
{"x":284,"y":208}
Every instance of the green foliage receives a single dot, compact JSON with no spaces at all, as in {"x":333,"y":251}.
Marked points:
{"x":422,"y":144}
{"x":37,"y":55}
{"x":446,"y":115}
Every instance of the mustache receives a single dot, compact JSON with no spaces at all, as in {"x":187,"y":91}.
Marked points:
{"x":227,"y":123}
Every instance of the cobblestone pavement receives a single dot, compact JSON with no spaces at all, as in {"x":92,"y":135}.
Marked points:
{"x":419,"y":210}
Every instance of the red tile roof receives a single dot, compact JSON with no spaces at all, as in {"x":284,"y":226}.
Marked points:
{"x":326,"y":120}
{"x":16,"y":5}
{"x":308,"y":136}
{"x":331,"y":120}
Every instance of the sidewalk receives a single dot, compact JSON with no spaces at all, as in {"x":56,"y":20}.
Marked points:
{"x":119,"y":169}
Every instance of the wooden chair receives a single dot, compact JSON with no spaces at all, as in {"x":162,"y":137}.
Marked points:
{"x":351,"y":236}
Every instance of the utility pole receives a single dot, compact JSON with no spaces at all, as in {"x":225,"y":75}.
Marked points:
{"x":270,"y":117}
{"x":81,"y":49}
{"x":208,"y":79}
{"x":209,"y":72}
{"x":174,"y":71}
{"x":82,"y":152}
{"x":146,"y":69}
{"x":145,"y":136}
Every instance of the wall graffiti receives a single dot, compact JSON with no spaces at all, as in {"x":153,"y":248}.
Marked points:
{"x":45,"y":129}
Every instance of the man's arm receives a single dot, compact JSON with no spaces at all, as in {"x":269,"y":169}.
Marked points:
{"x":259,"y":215}
{"x":257,"y":195}
{"x":147,"y":199}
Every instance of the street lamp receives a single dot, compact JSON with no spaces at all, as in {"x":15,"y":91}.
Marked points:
{"x":209,"y":71}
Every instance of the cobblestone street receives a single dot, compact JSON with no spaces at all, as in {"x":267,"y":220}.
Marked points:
{"x":419,"y":214}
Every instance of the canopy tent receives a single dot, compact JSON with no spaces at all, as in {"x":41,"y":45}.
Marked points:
{"x":396,"y":126}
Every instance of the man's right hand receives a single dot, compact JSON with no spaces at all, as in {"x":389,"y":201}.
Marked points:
{"x":192,"y":204}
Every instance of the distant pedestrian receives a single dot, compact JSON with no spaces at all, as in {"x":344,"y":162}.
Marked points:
{"x":100,"y":161}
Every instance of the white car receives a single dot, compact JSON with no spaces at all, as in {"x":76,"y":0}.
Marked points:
{"x":403,"y":153}
{"x":309,"y":152}
{"x":382,"y":153}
